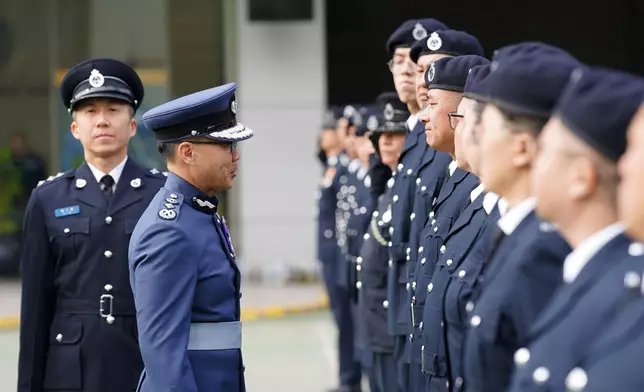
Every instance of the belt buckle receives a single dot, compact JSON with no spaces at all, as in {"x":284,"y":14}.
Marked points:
{"x":109,"y":299}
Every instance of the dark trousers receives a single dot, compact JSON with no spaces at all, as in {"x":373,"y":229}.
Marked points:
{"x":402,"y":362}
{"x":349,"y":365}
{"x":385,"y":374}
{"x":417,"y":380}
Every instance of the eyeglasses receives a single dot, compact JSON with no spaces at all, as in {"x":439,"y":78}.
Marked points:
{"x":453,"y":119}
{"x":233,"y":145}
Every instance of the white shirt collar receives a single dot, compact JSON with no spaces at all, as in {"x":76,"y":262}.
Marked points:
{"x":412,"y":121}
{"x":476,"y":192}
{"x":513,"y":217}
{"x":490,"y":200}
{"x":115,"y":173}
{"x":581,"y":255}
{"x":453,"y":165}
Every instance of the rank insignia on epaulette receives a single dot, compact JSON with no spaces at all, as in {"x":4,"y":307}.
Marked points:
{"x":167,"y":214}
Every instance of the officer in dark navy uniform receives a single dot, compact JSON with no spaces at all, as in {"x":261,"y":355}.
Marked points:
{"x":443,"y":338}
{"x":388,"y":137}
{"x":183,"y":267}
{"x":327,"y":253}
{"x":433,"y":167}
{"x":403,"y":71}
{"x":611,"y":362}
{"x":445,"y":80}
{"x":589,"y":125}
{"x":524,"y":267}
{"x":346,"y":182}
{"x":78,"y":329}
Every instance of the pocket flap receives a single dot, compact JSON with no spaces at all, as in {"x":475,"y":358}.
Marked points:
{"x":69,"y":226}
{"x":66,"y":331}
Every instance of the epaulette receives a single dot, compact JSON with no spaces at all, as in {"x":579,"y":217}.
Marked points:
{"x":170,"y":206}
{"x":154,"y":172}
{"x":52,"y":179}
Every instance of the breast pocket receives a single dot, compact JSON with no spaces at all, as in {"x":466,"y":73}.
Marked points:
{"x":68,"y":235}
{"x":64,"y":371}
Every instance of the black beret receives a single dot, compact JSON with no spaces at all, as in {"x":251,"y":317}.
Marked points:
{"x":450,"y":73}
{"x":528,"y":85}
{"x":101,"y":78}
{"x":598,"y":104}
{"x":530,"y":48}
{"x":448,"y":42}
{"x":411,"y":31}
{"x":394,"y":113}
{"x":476,"y":76}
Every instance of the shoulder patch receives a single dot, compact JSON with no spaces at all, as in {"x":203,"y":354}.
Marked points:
{"x":170,"y":206}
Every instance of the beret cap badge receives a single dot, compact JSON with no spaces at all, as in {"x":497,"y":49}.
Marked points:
{"x":434,"y":42}
{"x":432,"y":72}
{"x":419,"y":32}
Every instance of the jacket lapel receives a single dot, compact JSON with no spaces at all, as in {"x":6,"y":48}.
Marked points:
{"x":412,"y":138}
{"x":466,"y":216}
{"x":86,"y":189}
{"x":448,"y":187}
{"x":569,"y":293}
{"x":128,"y":189}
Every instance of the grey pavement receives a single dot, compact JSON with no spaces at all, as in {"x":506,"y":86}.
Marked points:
{"x":292,"y":354}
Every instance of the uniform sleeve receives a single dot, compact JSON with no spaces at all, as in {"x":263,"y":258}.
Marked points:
{"x":38,"y":298}
{"x":163,"y":282}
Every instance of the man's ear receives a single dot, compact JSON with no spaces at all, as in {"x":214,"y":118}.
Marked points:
{"x":73,"y":127}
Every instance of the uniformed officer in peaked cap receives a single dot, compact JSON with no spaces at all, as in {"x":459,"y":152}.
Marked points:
{"x":78,"y":330}
{"x":389,"y":135}
{"x":183,"y":267}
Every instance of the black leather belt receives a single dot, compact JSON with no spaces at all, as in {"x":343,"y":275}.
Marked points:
{"x":104,"y":306}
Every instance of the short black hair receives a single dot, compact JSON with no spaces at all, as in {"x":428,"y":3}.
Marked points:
{"x":518,"y":123}
{"x":167,"y":150}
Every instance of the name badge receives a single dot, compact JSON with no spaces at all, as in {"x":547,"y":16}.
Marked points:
{"x":66,"y":211}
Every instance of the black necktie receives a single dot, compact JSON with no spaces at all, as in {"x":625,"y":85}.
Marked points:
{"x":106,"y":185}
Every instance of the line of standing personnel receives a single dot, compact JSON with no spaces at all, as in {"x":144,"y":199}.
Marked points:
{"x":500,"y":227}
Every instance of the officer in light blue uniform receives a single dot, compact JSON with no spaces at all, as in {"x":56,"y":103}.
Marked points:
{"x":524,"y":266}
{"x":589,"y":123}
{"x":445,"y":80}
{"x":183,"y":268}
{"x":77,"y":320}
{"x":403,"y":72}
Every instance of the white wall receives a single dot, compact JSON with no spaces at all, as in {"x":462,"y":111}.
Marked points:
{"x":282,"y":94}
